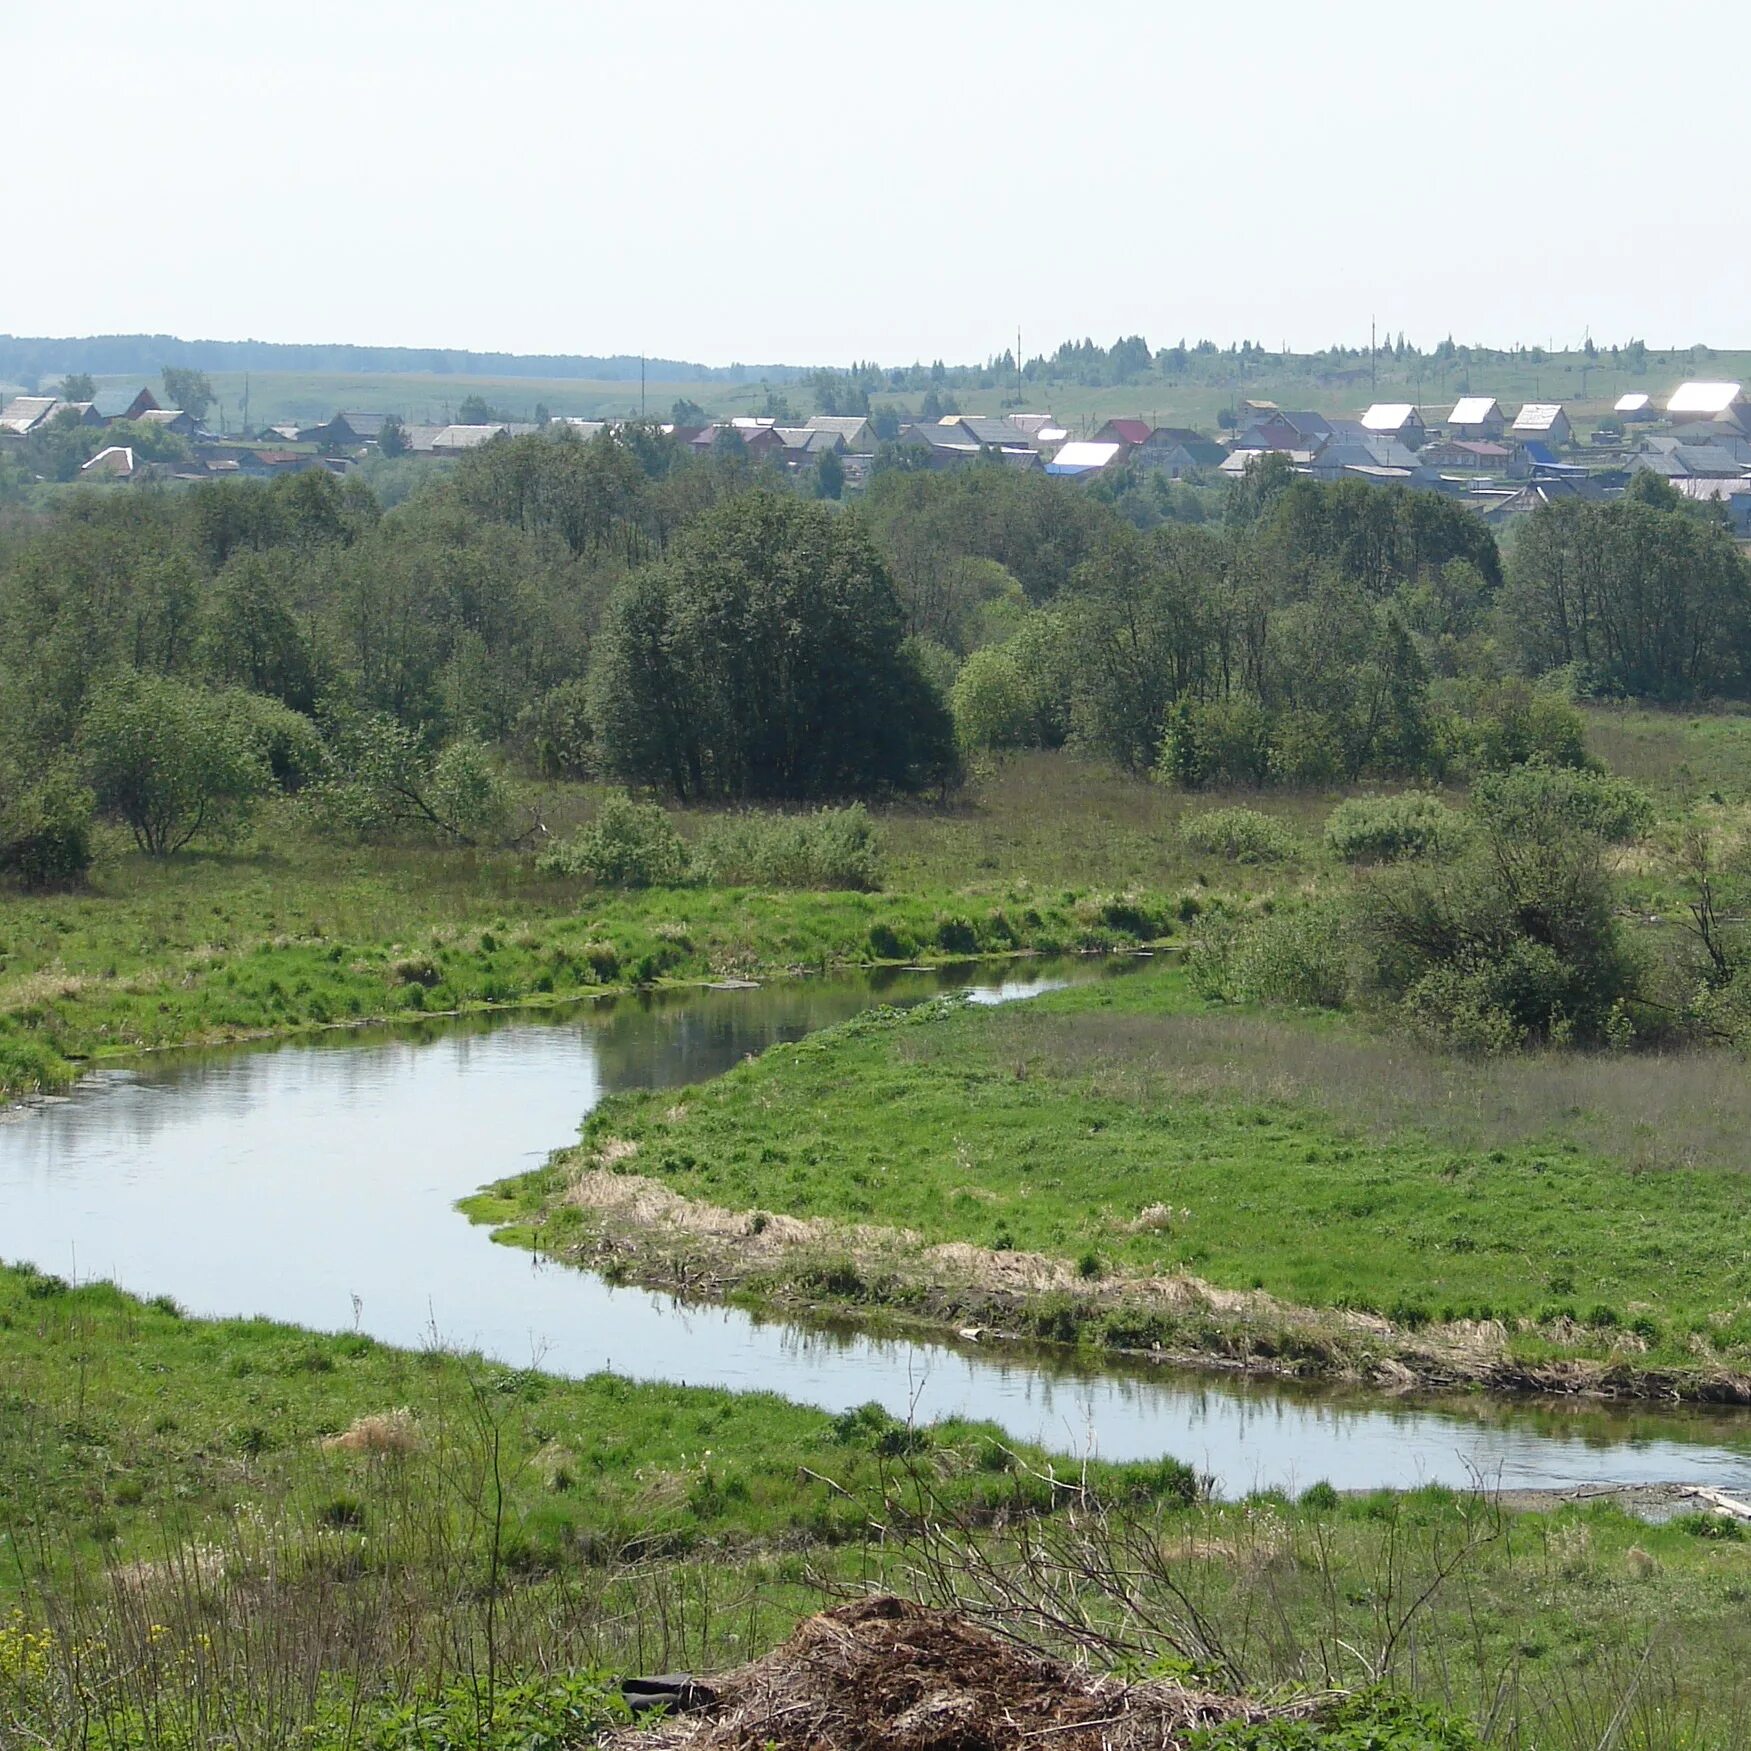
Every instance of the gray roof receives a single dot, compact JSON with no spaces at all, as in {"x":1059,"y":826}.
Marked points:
{"x":847,"y":425}
{"x":113,"y":403}
{"x":24,"y":413}
{"x":365,"y":425}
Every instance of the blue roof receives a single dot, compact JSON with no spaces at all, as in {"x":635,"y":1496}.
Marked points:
{"x":1536,"y":452}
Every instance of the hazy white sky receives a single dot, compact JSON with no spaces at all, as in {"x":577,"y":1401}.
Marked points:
{"x":804,"y":180}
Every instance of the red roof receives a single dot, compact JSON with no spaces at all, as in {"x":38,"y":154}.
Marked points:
{"x":1127,"y":431}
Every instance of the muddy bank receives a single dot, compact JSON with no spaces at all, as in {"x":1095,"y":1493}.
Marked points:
{"x":634,"y":1229}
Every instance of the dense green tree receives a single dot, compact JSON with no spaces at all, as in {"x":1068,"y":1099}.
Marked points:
{"x":187,"y":389}
{"x":766,"y":658}
{"x":171,"y":761}
{"x":78,"y":386}
{"x":1638,"y":599}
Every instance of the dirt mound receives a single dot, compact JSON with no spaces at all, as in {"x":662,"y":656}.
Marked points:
{"x":885,"y":1675}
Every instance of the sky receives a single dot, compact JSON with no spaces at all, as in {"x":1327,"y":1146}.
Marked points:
{"x":785,"y":182}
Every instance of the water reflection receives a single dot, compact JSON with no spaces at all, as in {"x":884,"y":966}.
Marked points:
{"x":314,"y":1182}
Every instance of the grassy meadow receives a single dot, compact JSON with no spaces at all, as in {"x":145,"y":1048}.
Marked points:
{"x":241,"y":1532}
{"x":1588,"y":388}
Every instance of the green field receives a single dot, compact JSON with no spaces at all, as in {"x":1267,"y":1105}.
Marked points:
{"x":1587,"y":387}
{"x":321,"y":1540}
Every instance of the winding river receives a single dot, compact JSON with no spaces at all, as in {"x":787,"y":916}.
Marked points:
{"x":314,"y":1182}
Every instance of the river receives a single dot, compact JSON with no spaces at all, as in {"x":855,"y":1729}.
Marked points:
{"x":313,"y":1182}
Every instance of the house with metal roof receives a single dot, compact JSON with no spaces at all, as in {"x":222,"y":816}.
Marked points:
{"x":1477,"y":417}
{"x":1545,"y":421}
{"x":1178,"y":451}
{"x":1396,"y":419}
{"x":1287,"y":432}
{"x":1713,"y":404}
{"x":853,"y":428}
{"x":25,"y":414}
{"x":1123,"y":431}
{"x":1467,"y":454}
{"x":1636,"y":406}
{"x":1084,"y":457}
{"x":116,"y":462}
{"x":171,"y":419}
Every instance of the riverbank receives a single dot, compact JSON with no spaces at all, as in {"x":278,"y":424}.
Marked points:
{"x":204,"y":1513}
{"x":1123,"y":1168}
{"x":85,"y":1007}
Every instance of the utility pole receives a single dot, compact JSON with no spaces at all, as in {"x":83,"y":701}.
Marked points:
{"x":246,"y":401}
{"x":1373,"y":382}
{"x":1018,"y":393}
{"x":641,"y":386}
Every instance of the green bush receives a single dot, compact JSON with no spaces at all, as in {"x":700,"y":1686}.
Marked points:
{"x":1294,"y":954}
{"x":1242,"y":834}
{"x":1512,"y":724}
{"x":627,"y":845}
{"x":1522,"y":798}
{"x":1385,"y":829}
{"x":45,"y":829}
{"x":832,"y":848}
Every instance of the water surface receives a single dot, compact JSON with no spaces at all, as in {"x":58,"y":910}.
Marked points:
{"x":314,"y":1183}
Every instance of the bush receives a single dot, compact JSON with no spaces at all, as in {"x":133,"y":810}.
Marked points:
{"x":1242,"y":834}
{"x":554,"y":734}
{"x":45,"y":829}
{"x":1526,"y":799}
{"x":287,"y":739}
{"x":1385,"y":829}
{"x":1295,"y":954}
{"x":832,"y":848}
{"x":627,"y":845}
{"x":1513,"y":941}
{"x":1512,"y":724}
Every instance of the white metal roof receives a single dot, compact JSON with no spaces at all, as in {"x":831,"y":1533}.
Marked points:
{"x":1389,"y":416}
{"x":1538,"y":416}
{"x":1086,"y":454}
{"x":24,"y":412}
{"x":1473,"y":410}
{"x":1635,"y":403}
{"x":1703,"y":398}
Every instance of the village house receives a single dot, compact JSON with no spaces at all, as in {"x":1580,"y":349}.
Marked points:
{"x":24,"y":414}
{"x":1293,"y":433}
{"x":114,"y":463}
{"x":111,"y":405}
{"x":853,"y":428}
{"x":1396,"y":419}
{"x":1718,"y":405}
{"x":1477,"y":417}
{"x":171,"y":419}
{"x":1130,"y":433}
{"x":1178,"y":451}
{"x":1544,"y":422}
{"x":1634,"y":408}
{"x":1467,"y":453}
{"x":1088,"y":456}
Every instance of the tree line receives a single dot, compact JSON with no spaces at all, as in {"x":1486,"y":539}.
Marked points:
{"x":705,"y":627}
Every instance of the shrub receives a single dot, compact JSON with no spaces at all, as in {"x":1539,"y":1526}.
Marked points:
{"x":1524,"y":799}
{"x":1514,"y":940}
{"x":1242,"y":834}
{"x":554,"y":734}
{"x":627,"y":845}
{"x":1295,"y":954}
{"x":832,"y":848}
{"x":1512,"y":725}
{"x":1384,"y":829}
{"x":45,"y":829}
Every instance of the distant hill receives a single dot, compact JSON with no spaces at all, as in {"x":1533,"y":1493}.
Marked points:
{"x":28,"y":358}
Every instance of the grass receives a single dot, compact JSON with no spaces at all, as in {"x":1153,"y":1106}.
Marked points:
{"x":1593,"y":1206}
{"x":292,"y":931}
{"x":238,"y":1532}
{"x":1587,"y":388}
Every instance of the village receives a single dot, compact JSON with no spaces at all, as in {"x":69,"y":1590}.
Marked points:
{"x":1498,"y":463}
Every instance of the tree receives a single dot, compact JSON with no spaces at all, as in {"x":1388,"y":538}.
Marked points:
{"x":187,"y":389}
{"x":687,"y":413}
{"x":385,"y":779}
{"x":392,"y":437}
{"x":172,"y":762}
{"x":766,"y":659}
{"x":45,"y":826}
{"x":78,"y":386}
{"x":829,"y":475}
